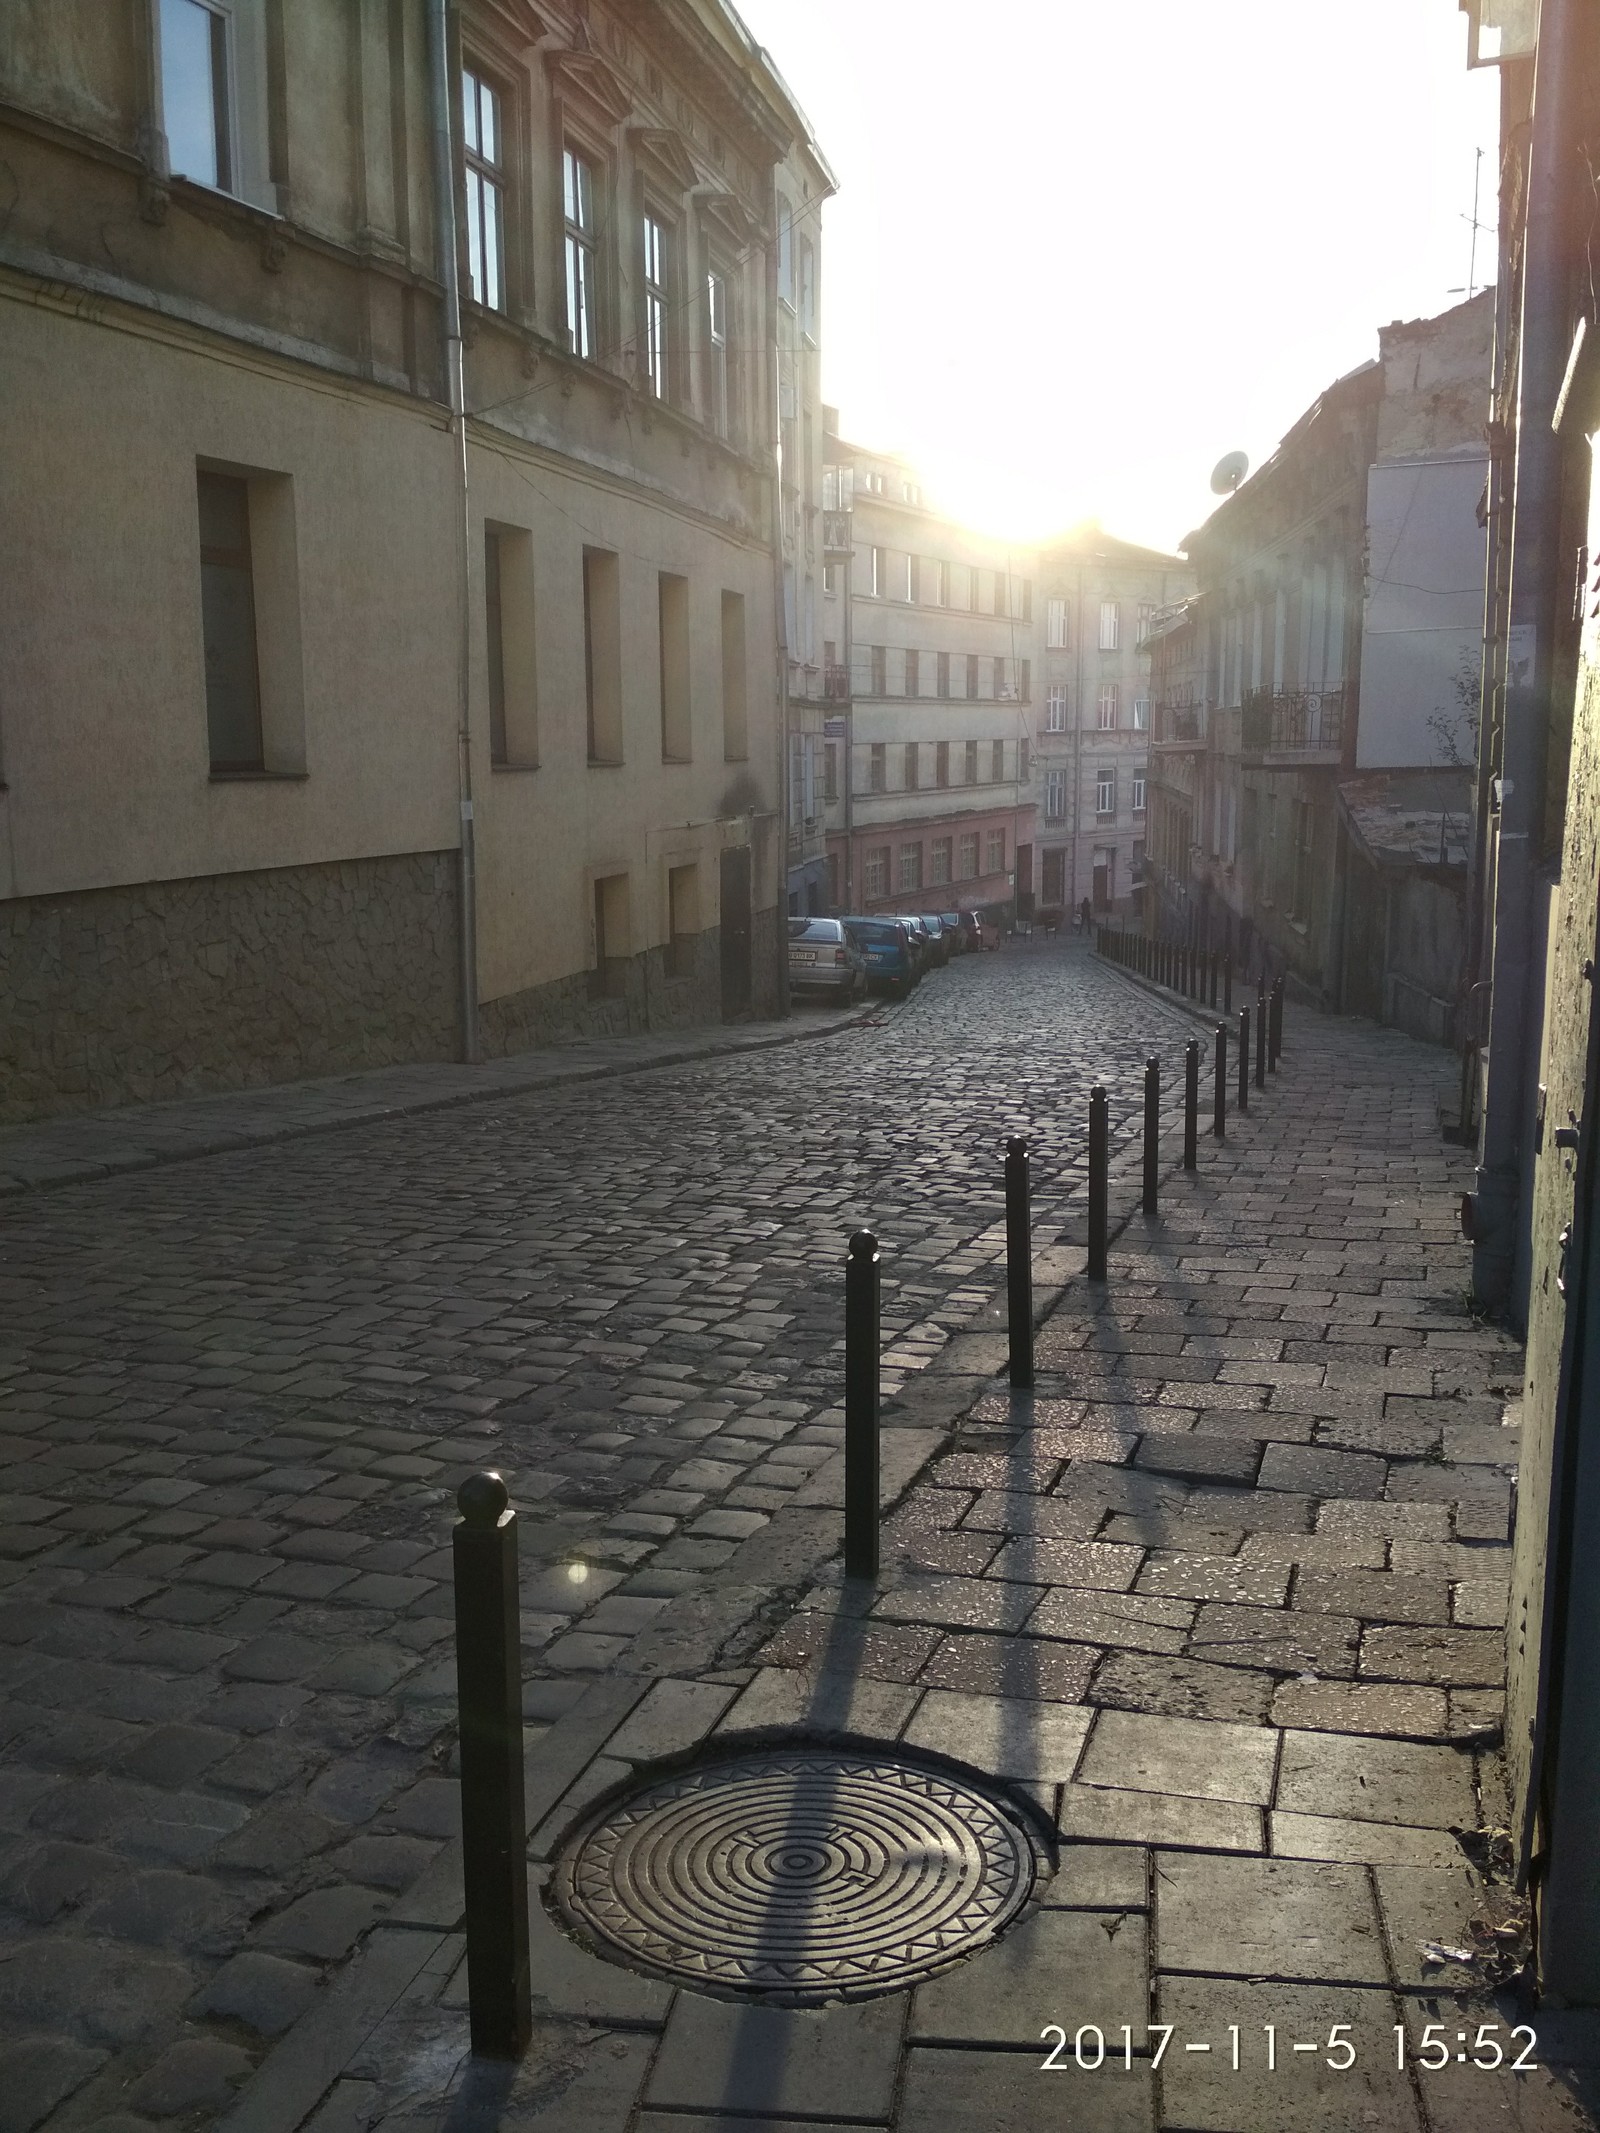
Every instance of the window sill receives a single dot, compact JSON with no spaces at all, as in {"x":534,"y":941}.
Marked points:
{"x":511,"y":769}
{"x":605,"y":762}
{"x":259,"y":777}
{"x":677,"y":762}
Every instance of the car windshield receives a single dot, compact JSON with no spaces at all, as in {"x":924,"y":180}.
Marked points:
{"x":813,"y":929}
{"x":876,"y":929}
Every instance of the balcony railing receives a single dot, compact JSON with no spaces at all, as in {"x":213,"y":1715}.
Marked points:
{"x":836,"y":684}
{"x":1179,"y":723}
{"x":1293,"y":722}
{"x":836,"y":534}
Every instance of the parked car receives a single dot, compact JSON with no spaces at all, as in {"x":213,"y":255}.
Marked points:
{"x":823,"y":958}
{"x":972,"y":927}
{"x":885,"y":946}
{"x":955,"y":932}
{"x":943,"y":946}
{"x":921,"y":939}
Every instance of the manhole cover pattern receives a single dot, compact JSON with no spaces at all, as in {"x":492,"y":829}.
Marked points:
{"x":798,"y":1874}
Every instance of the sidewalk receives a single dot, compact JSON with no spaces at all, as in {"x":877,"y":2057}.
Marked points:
{"x":94,"y":1144}
{"x":1220,"y":1605}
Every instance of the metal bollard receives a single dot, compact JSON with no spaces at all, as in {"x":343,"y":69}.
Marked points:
{"x":1227,"y":984}
{"x":1152,"y":1131}
{"x":861,"y":1407}
{"x":1213,"y":977}
{"x":1191,"y":1102}
{"x":494,"y":1836}
{"x":1277,"y":1024}
{"x":1099,"y":1163}
{"x":1219,"y":1091}
{"x":1261,"y":1035}
{"x":1244,"y":1059}
{"x":1019,"y":1263}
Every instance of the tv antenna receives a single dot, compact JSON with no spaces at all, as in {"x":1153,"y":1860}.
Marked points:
{"x":1471,"y":288}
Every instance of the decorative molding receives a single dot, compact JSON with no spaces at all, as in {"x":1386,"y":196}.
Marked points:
{"x":666,"y":151}
{"x":592,"y":79}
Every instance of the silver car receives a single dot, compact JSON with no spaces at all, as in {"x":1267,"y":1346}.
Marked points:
{"x":823,"y":958}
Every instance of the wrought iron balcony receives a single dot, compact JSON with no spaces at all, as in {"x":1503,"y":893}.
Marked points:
{"x":836,"y":684}
{"x":1178,"y":725}
{"x":837,"y":539}
{"x":1304,"y":724}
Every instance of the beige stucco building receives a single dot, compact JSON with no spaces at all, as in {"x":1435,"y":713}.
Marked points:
{"x":326,"y":738}
{"x":929,"y":640}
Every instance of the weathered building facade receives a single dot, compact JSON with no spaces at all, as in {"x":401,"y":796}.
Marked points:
{"x":929,"y":629}
{"x":390,"y":599}
{"x":1097,"y":596}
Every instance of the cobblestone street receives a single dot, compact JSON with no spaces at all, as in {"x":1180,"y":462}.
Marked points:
{"x":238,"y":1394}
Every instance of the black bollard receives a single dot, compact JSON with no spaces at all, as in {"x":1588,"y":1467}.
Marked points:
{"x":494,"y":1836}
{"x":1213,"y":977}
{"x":1261,"y":1035}
{"x":1191,"y":1102}
{"x":1277,"y":1024}
{"x":1227,"y":984}
{"x":861,"y":1407}
{"x":1219,"y":1091}
{"x":1152,"y":1131}
{"x":1019,"y":1263}
{"x":1244,"y":1059}
{"x":1099,"y":1162}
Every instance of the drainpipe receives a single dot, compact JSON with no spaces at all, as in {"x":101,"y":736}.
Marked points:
{"x":780,"y":621}
{"x":1502,"y":1242}
{"x":444,"y":190}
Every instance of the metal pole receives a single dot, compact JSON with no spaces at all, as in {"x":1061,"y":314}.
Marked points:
{"x":1227,"y":984}
{"x":1219,"y":1092}
{"x":1099,"y":1159}
{"x":861,"y":1407}
{"x":1213,"y":977}
{"x":1277,"y":1024}
{"x":1152,"y":1131}
{"x":1244,"y":1059}
{"x":1261,"y":1034}
{"x":494,"y":1836}
{"x":1019,"y":1263}
{"x":1191,"y":1102}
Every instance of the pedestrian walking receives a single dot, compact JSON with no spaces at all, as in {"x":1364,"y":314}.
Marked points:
{"x":1085,"y":915}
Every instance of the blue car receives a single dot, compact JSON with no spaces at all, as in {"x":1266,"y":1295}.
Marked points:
{"x":886,"y":952}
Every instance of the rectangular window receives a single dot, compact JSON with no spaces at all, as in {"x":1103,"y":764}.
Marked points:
{"x":1025,"y":679}
{"x":913,"y":674}
{"x":1146,"y":616}
{"x":1110,"y":625}
{"x":602,"y":654}
{"x":880,"y":669}
{"x":972,"y":762}
{"x":1141,"y":714}
{"x":875,"y":875}
{"x":228,"y":621}
{"x":910,"y":866}
{"x":1055,"y":878}
{"x":612,"y":943}
{"x":719,"y":407}
{"x":1055,"y":710}
{"x":997,"y":761}
{"x":1138,"y":793}
{"x":577,"y":182}
{"x":197,"y":94}
{"x":657,"y":269}
{"x":967,"y":857}
{"x":508,"y":625}
{"x":912,"y":758}
{"x":999,"y":679}
{"x":994,"y":852}
{"x":486,"y":195}
{"x":878,"y":767}
{"x":941,"y":763}
{"x":808,"y":289}
{"x":878,"y":569}
{"x":1055,"y":625}
{"x":830,"y":578}
{"x":830,"y":774}
{"x":941,"y":861}
{"x":942,"y":674}
{"x":972,"y":677}
{"x":1022,"y":762}
{"x":1055,"y":796}
{"x":1105,"y":792}
{"x":1106,"y":707}
{"x":899,"y":576}
{"x":672,"y":605}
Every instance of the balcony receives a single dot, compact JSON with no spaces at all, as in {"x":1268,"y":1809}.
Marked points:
{"x":836,"y":684}
{"x":1178,"y":726}
{"x":837,"y":539}
{"x":1300,"y":728}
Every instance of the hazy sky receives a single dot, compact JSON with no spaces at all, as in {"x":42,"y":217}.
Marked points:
{"x":1082,"y":248}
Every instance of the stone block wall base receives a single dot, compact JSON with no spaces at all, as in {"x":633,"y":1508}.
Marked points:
{"x":641,"y":994}
{"x":180,"y":988}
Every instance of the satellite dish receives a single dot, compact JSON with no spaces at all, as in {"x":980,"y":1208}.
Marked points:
{"x":1227,"y":474}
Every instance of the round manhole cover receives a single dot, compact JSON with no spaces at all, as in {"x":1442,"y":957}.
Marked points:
{"x":801,"y":1874}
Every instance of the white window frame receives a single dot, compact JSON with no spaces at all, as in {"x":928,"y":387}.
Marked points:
{"x":1141,"y":714}
{"x":237,"y":121}
{"x":1110,"y":625}
{"x":1055,"y":796}
{"x":1108,"y":707}
{"x":483,"y":141}
{"x":1055,"y":625}
{"x":1055,"y":709}
{"x":1105,"y":792}
{"x":578,"y":175}
{"x":1138,"y":794}
{"x":657,"y":286}
{"x":719,"y":383}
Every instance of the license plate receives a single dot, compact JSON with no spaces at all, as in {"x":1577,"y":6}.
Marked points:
{"x":803,"y":955}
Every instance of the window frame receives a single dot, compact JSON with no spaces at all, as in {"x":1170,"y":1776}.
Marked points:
{"x":658,"y":276}
{"x":484,"y":175}
{"x":719,"y":403}
{"x":1055,"y":710}
{"x":1110,"y":625}
{"x":1105,"y":782}
{"x":1108,"y":698}
{"x":581,"y":248}
{"x":1138,"y":792}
